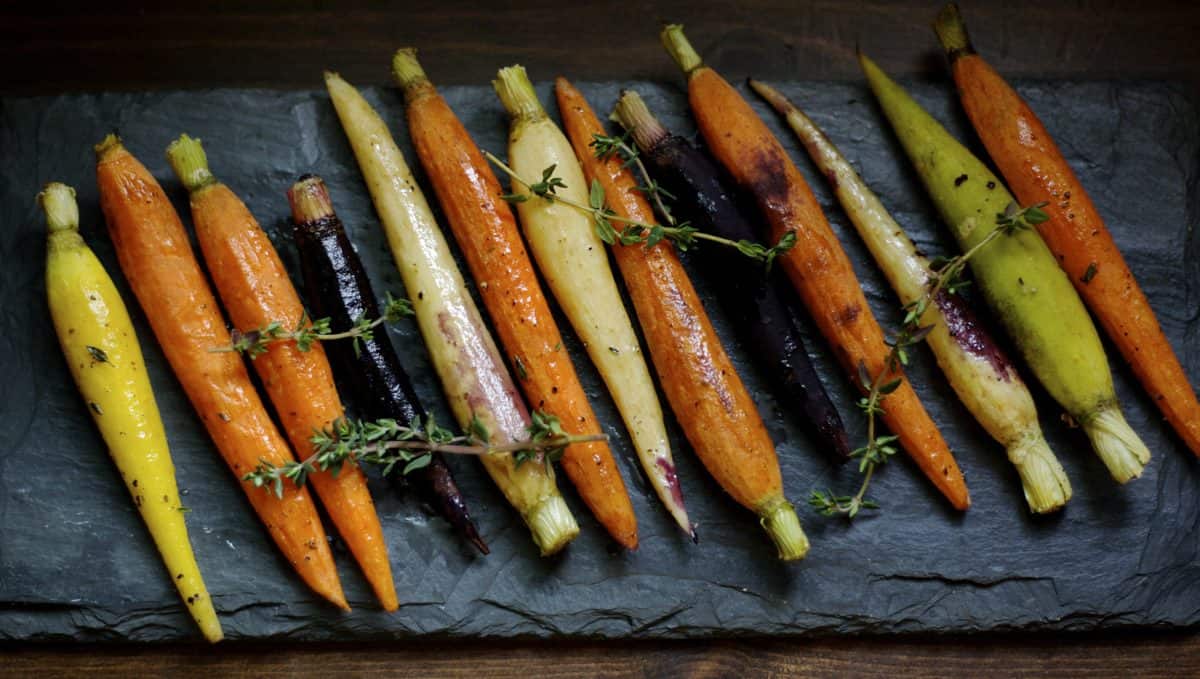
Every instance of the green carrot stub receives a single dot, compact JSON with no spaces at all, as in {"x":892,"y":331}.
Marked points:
{"x":1018,"y":277}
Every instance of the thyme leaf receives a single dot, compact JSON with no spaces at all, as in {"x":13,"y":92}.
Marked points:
{"x":946,"y":278}
{"x":632,"y":231}
{"x":254,"y":343}
{"x":391,"y":446}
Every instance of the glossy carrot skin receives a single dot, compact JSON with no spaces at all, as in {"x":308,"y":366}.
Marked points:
{"x":158,"y":262}
{"x":337,"y":287}
{"x":712,"y":405}
{"x":818,"y":267}
{"x":763,"y":309}
{"x":984,"y":378}
{"x":486,"y":232}
{"x":255,"y":289}
{"x":1036,"y":171}
{"x":101,"y":346}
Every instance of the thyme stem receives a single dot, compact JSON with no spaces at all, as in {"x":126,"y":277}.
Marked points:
{"x":945,"y":278}
{"x":255,"y":342}
{"x":607,"y":146}
{"x":636,"y":231}
{"x":388,"y":444}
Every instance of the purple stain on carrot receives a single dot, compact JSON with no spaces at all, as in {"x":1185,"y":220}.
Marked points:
{"x":965,"y":329}
{"x":668,"y":470}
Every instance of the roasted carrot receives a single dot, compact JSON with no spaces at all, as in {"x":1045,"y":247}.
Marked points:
{"x":477,"y":386}
{"x":256,"y":291}
{"x":764,"y":311}
{"x":1037,"y":172}
{"x":984,"y":378}
{"x":337,"y":287}
{"x":818,"y":267}
{"x":574,"y":264}
{"x":1028,"y":292}
{"x":711,"y":403}
{"x":486,"y":231}
{"x":154,"y":252}
{"x":102,"y":352}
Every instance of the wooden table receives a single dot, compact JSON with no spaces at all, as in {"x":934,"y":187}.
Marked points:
{"x":286,"y":44}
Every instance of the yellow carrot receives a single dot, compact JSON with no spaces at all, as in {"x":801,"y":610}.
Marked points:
{"x":102,"y":352}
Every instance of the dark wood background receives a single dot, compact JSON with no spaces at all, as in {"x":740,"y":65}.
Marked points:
{"x":49,"y":48}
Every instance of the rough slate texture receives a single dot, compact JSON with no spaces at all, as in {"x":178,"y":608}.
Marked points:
{"x":76,"y":563}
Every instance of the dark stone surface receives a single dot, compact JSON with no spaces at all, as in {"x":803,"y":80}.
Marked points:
{"x":76,"y":563}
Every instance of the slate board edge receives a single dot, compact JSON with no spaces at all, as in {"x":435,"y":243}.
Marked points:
{"x":804,"y":625}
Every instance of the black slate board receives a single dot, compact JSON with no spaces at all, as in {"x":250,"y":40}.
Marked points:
{"x":75,"y":562}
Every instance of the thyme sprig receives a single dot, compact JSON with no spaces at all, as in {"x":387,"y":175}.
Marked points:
{"x":607,"y":146}
{"x":632,"y":232}
{"x":393,"y":446}
{"x":254,"y":343}
{"x":946,"y":278}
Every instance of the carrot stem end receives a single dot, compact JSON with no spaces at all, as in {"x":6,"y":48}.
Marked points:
{"x":516,"y":93}
{"x":58,"y":202}
{"x":552,"y":525}
{"x":952,"y":32}
{"x":406,"y":69}
{"x":190,"y":163}
{"x":781,"y":523}
{"x":310,"y":200}
{"x":680,"y":49}
{"x":1043,"y":479}
{"x":632,"y":114}
{"x":1117,"y":444}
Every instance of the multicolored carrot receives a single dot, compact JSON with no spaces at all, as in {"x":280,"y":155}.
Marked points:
{"x":981,"y":374}
{"x":817,"y":265}
{"x":158,"y":262}
{"x":764,"y":311}
{"x":480,"y":392}
{"x":574,"y":262}
{"x":338,"y":288}
{"x":1018,"y":276}
{"x":486,"y":232}
{"x":711,"y":403}
{"x":102,"y":352}
{"x":1037,"y":172}
{"x":256,"y":291}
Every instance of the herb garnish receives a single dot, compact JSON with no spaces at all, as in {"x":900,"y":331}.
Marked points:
{"x":947,"y":278}
{"x":1089,"y":274}
{"x":98,"y":355}
{"x":607,"y":146}
{"x":392,"y":446}
{"x":683,"y":235}
{"x":255,"y":342}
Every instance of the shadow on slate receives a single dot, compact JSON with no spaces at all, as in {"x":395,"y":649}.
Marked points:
{"x":76,"y":563}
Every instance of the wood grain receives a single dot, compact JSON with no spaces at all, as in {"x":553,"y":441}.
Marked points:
{"x":51,"y":47}
{"x":1129,"y":654}
{"x":117,"y":45}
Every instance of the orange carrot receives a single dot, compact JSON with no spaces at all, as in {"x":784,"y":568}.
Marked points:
{"x":711,"y":403}
{"x":1036,"y":172}
{"x":256,"y":291}
{"x":154,"y":252}
{"x":818,"y":267}
{"x":486,"y":231}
